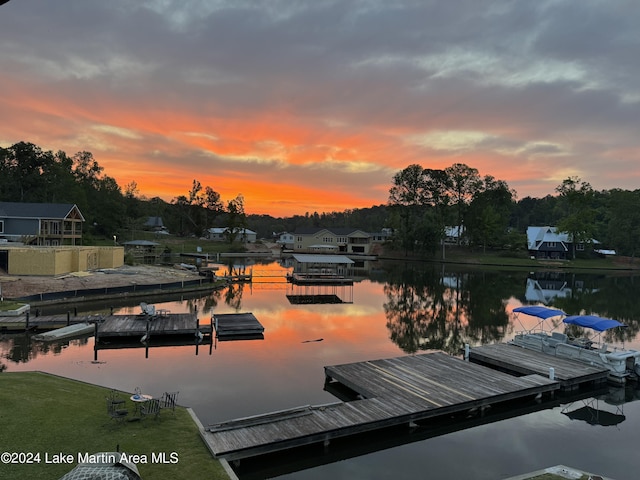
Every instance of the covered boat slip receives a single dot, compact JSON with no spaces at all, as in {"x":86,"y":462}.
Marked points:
{"x":394,"y":392}
{"x":521,"y":361}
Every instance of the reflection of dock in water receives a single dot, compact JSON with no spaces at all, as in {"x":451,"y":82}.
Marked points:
{"x":393,"y":392}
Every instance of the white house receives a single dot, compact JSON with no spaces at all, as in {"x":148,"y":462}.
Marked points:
{"x":219,"y":234}
{"x":285,"y":239}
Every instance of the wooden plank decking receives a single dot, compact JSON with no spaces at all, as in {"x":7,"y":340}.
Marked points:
{"x":394,"y":391}
{"x":44,"y":322}
{"x":520,"y":361}
{"x":161,"y":325}
{"x":237,"y":325}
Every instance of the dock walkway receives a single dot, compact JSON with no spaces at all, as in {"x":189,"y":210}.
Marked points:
{"x":520,"y":361}
{"x":393,"y":392}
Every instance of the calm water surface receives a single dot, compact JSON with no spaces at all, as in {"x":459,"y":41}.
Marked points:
{"x":396,"y":309}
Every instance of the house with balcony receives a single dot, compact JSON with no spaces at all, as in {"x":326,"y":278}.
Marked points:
{"x":332,"y":240}
{"x":547,"y":243}
{"x":41,"y":224}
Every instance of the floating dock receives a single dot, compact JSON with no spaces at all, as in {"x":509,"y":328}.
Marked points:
{"x":236,"y":326}
{"x":146,"y":326}
{"x":395,"y":391}
{"x":520,"y":361}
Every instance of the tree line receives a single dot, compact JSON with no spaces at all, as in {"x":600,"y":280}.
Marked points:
{"x":422,"y":202}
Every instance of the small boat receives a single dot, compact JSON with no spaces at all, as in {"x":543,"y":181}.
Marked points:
{"x":623,"y":364}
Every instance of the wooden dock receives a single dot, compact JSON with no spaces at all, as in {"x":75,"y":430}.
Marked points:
{"x":520,"y":361}
{"x":392,"y":392}
{"x":232,"y":326}
{"x":138,"y":326}
{"x":44,"y":322}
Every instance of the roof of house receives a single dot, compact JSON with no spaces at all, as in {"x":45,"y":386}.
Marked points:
{"x":339,"y":231}
{"x":309,"y":258}
{"x":221,"y":230}
{"x":37,"y":210}
{"x":141,"y":243}
{"x":154,"y":222}
{"x":536,"y":236}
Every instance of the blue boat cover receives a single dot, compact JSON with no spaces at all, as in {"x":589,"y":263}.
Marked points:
{"x":594,"y":322}
{"x":539,"y":311}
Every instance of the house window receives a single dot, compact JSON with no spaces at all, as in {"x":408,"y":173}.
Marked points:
{"x":1,"y":226}
{"x":551,"y":244}
{"x":580,"y":247}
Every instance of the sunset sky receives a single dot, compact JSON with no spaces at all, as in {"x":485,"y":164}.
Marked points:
{"x":306,"y":106}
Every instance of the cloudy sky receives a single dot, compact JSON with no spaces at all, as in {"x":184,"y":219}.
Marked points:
{"x":306,"y":106}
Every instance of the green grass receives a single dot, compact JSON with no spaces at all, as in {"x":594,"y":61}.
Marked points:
{"x":42,"y":413}
{"x":9,"y":305}
{"x":463,"y":255}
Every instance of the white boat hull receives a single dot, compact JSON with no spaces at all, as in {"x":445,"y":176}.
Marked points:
{"x":622,"y":364}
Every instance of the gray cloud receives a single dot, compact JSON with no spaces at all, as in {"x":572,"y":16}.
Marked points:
{"x":533,"y":79}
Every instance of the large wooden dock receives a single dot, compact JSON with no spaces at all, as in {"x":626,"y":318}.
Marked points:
{"x":520,"y":361}
{"x":392,"y":392}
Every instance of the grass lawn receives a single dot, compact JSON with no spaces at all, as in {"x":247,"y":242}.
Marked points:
{"x":7,"y":305}
{"x":46,"y":414}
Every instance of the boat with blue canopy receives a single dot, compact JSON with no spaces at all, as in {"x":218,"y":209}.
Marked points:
{"x":593,"y":322}
{"x":622,"y":363}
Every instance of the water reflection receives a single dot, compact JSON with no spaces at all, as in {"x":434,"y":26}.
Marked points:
{"x":432,"y":308}
{"x":401,"y":308}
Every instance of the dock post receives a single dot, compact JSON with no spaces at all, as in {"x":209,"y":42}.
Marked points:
{"x":26,"y":322}
{"x":552,"y":373}
{"x":466,"y":351}
{"x":68,"y":318}
{"x":95,"y":342}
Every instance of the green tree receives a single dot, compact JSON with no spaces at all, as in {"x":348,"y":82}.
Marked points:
{"x":575,"y":200}
{"x":406,"y":198}
{"x":236,"y":218}
{"x":489,"y":213}
{"x":464,"y":182}
{"x":624,"y":221}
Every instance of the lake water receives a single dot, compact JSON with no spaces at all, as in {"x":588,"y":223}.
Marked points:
{"x":394,"y":309}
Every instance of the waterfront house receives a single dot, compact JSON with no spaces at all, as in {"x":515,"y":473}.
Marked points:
{"x":547,"y":243}
{"x":221,"y":234}
{"x":41,"y":224}
{"x":332,"y":240}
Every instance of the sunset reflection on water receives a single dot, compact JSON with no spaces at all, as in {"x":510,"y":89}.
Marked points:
{"x":386,"y":319}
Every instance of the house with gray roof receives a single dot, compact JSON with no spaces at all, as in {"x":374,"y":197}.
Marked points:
{"x":547,"y":243}
{"x":41,"y":224}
